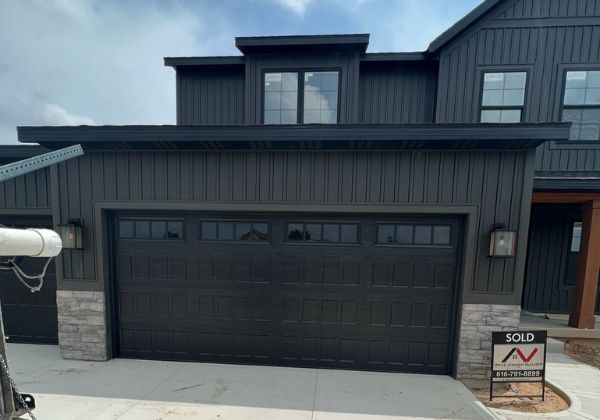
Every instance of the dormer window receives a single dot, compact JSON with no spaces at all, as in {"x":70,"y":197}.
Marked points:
{"x":281,"y":98}
{"x":314,"y":101}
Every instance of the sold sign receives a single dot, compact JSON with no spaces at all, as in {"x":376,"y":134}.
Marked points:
{"x":518,"y":357}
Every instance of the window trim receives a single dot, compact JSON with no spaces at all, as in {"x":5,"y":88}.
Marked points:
{"x":150,"y":220}
{"x":504,"y":69}
{"x":433,"y":225}
{"x":561,"y":99}
{"x":286,"y":241}
{"x":300,"y":71}
{"x":232,"y":241}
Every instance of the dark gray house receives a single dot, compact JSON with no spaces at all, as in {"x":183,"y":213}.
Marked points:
{"x":319,"y":205}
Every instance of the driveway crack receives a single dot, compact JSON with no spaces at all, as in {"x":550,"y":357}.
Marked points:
{"x":312,"y":415}
{"x":136,"y":402}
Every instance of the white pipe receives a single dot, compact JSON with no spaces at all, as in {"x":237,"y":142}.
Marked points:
{"x":29,"y":242}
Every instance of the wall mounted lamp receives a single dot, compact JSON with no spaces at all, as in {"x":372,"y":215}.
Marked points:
{"x":71,"y":234}
{"x":503,"y":241}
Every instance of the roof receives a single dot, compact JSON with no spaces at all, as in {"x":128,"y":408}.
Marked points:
{"x":20,"y":151}
{"x":218,"y":61}
{"x":463,"y":24}
{"x":303,"y":43}
{"x":566,"y":183}
{"x":317,"y":136}
{"x":334,"y":43}
{"x":394,"y":57}
{"x":235,"y":61}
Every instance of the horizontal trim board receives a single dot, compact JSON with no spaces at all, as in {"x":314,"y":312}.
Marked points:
{"x":543,"y":22}
{"x":566,"y":184}
{"x":287,"y":207}
{"x":338,"y":136}
{"x":26,"y":211}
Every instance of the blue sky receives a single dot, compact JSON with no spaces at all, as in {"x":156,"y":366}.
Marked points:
{"x":71,"y":62}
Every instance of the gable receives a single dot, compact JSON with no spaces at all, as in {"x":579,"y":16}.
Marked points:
{"x":519,"y":13}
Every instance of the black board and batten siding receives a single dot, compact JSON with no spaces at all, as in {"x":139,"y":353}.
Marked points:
{"x":30,"y":191}
{"x":398,"y":95}
{"x":492,"y":180}
{"x":543,"y":38}
{"x":550,"y":280}
{"x":210,"y":97}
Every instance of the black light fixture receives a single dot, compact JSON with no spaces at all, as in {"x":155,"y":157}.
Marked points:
{"x":503,"y":241}
{"x":71,"y":234}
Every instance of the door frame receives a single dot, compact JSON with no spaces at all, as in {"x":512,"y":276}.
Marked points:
{"x":104,"y":214}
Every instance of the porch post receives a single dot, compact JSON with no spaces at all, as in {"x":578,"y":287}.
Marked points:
{"x":588,"y":268}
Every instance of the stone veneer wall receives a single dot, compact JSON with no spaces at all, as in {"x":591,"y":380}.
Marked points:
{"x":475,"y":342}
{"x":81,"y":325}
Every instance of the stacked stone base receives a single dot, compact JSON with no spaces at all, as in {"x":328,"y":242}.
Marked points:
{"x":81,"y":325}
{"x":475,"y":342}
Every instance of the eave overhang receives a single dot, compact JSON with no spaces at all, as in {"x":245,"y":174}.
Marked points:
{"x":20,"y":151}
{"x":300,"y":137}
{"x":213,"y":62}
{"x":580,"y":184}
{"x":302,"y":43}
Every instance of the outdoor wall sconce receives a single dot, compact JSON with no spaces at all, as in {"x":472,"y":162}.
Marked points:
{"x":502,"y":241}
{"x":71,"y":234}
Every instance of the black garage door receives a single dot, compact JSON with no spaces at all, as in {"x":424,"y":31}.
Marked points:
{"x":355,"y":292}
{"x":29,"y":317}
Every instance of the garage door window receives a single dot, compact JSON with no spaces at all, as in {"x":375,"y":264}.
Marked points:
{"x":151,"y":229}
{"x":234,"y":231}
{"x":311,"y":232}
{"x":403,"y":234}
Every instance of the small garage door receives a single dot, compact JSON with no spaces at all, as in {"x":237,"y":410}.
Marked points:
{"x":29,"y":317}
{"x":351,"y":292}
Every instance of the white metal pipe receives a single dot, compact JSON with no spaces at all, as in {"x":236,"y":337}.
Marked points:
{"x":29,"y":242}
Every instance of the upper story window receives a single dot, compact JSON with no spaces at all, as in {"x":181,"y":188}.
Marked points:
{"x":581,"y":104}
{"x":503,"y":97}
{"x":281,"y":98}
{"x":320,"y":97}
{"x":315,"y":101}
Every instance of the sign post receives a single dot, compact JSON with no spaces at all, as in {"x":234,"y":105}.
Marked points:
{"x":519,"y":356}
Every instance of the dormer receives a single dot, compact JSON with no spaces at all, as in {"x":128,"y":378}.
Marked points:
{"x":301,"y":79}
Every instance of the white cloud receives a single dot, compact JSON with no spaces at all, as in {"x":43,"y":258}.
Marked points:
{"x":53,"y":114}
{"x":97,"y":61}
{"x":296,"y":6}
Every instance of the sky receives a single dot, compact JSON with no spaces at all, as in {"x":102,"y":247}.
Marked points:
{"x":95,"y":62}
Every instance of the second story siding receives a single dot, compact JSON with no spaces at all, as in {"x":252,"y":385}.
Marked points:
{"x":210,"y":97}
{"x":397,"y":95}
{"x":542,"y":38}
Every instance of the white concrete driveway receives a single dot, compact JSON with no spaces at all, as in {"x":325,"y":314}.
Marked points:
{"x":148,"y":390}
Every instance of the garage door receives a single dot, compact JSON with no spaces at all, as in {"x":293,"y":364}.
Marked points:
{"x":351,"y":292}
{"x":29,"y":317}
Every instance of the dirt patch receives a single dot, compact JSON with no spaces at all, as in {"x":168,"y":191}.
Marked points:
{"x":585,"y":350}
{"x":510,"y":397}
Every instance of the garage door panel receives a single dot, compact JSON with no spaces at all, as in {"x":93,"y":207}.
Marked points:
{"x":359,"y":306}
{"x":29,"y":317}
